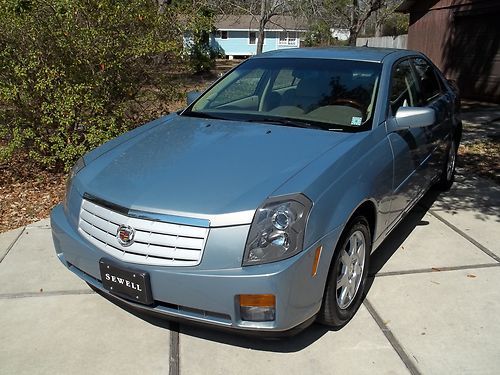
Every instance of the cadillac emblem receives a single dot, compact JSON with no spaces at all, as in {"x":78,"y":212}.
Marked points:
{"x":125,"y":235}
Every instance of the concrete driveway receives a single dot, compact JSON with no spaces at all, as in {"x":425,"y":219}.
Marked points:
{"x":433,"y":307}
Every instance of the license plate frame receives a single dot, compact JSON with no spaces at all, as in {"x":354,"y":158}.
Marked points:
{"x":126,"y":282}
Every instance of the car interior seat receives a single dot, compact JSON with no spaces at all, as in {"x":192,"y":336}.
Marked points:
{"x":308,"y":94}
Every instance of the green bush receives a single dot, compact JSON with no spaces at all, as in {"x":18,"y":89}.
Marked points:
{"x":198,"y":52}
{"x":320,"y":35}
{"x":74,"y":73}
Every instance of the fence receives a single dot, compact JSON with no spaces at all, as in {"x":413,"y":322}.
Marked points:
{"x":400,"y":41}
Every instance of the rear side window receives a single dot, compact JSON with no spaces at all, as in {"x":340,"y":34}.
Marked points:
{"x":403,"y":87}
{"x":428,"y":82}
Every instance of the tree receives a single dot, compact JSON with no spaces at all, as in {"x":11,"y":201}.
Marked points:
{"x":361,"y":10}
{"x":388,"y":22}
{"x":268,"y":9}
{"x":349,"y":14}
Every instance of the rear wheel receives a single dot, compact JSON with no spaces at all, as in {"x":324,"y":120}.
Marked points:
{"x":346,"y":282}
{"x":448,"y":172}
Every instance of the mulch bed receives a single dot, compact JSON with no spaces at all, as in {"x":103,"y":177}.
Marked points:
{"x":27,"y":193}
{"x":481,"y":158}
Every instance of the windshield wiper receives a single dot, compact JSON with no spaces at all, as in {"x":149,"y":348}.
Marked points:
{"x":202,"y":115}
{"x":296,"y":123}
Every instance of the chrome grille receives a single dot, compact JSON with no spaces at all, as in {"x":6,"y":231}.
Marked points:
{"x":155,"y":242}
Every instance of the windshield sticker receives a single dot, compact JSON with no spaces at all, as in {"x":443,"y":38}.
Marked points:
{"x":356,"y":121}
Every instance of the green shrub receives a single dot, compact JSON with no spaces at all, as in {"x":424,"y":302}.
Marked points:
{"x":75,"y":73}
{"x":320,"y":35}
{"x":198,"y":52}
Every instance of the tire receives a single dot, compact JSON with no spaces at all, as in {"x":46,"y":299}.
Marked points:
{"x":340,"y":303}
{"x":448,"y":172}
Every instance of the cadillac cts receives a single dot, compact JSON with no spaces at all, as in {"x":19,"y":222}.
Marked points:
{"x":257,"y":207}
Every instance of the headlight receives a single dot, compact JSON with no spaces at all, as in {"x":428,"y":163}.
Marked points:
{"x":79,"y":165}
{"x":277,"y":230}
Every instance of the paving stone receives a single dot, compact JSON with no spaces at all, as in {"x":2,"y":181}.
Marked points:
{"x":422,"y":241}
{"x":31,"y":266}
{"x":79,"y":334}
{"x":447,"y":322}
{"x":7,"y":239}
{"x":44,"y":223}
{"x":473,"y":206}
{"x":359,"y":348}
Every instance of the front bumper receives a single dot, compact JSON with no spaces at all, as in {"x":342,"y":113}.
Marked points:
{"x":207,"y":294}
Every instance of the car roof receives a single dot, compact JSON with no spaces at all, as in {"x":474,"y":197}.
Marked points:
{"x":344,"y":53}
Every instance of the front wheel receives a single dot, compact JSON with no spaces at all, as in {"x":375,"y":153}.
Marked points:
{"x":347,"y":278}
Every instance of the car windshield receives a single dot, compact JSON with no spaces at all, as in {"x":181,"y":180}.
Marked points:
{"x":321,"y":93}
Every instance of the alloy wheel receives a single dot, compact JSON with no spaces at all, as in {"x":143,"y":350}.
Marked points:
{"x":352,"y":262}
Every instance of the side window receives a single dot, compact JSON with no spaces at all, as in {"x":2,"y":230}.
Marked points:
{"x":243,"y":87}
{"x":284,"y":79}
{"x":428,"y":83}
{"x":403,"y":87}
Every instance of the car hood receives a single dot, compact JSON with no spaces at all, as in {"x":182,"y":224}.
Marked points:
{"x":212,"y":169}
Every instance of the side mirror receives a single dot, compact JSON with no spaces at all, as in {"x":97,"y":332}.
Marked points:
{"x":414,"y":117}
{"x":192,"y":96}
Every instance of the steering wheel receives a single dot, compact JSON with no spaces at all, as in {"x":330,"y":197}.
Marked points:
{"x":350,"y":103}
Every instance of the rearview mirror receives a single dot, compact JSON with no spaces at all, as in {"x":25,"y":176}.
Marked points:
{"x":414,"y":117}
{"x":192,"y":96}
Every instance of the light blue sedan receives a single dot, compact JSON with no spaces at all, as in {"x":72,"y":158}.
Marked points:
{"x":257,"y":207}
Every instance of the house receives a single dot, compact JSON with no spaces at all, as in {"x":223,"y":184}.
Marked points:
{"x":236,"y":35}
{"x":462,"y":37}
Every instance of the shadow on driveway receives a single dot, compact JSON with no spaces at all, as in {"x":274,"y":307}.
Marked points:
{"x":470,"y":193}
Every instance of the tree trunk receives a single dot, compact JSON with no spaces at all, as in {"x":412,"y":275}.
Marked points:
{"x":378,"y":25}
{"x":260,"y":40}
{"x":262,"y":25}
{"x":353,"y":27}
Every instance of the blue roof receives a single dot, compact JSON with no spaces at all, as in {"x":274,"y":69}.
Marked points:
{"x":345,"y":53}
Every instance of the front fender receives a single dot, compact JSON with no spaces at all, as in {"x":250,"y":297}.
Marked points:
{"x":363,"y":173}
{"x":335,"y":209}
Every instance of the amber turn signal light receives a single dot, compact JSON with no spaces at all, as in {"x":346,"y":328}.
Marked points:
{"x":258,"y":307}
{"x":317,"y":255}
{"x":260,"y":300}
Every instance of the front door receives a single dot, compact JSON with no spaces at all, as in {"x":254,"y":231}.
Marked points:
{"x":432,"y":94}
{"x":411,"y":147}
